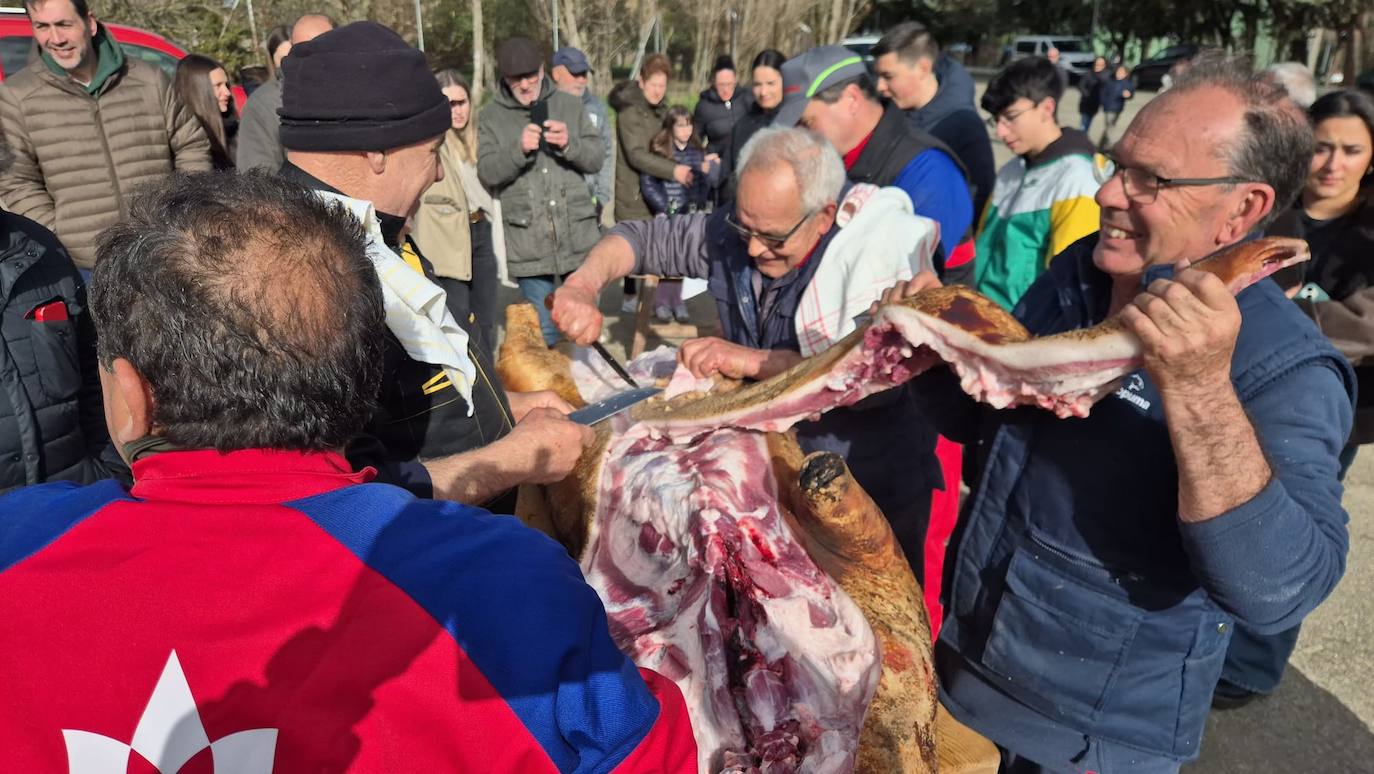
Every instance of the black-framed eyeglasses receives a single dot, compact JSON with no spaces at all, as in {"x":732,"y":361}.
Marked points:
{"x":1142,"y":186}
{"x":1007,"y":118}
{"x":770,"y":241}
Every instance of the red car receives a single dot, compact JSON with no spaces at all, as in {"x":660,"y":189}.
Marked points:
{"x":16,"y":45}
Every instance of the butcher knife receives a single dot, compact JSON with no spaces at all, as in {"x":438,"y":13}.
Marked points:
{"x":605,"y":355}
{"x":602,"y":409}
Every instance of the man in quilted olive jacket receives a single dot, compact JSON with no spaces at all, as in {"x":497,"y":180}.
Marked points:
{"x":87,"y":126}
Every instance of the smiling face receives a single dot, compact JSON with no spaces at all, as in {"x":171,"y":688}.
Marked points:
{"x":1180,"y":222}
{"x":64,"y":35}
{"x":769,"y":202}
{"x":459,"y":105}
{"x":1343,"y":158}
{"x":767,"y":87}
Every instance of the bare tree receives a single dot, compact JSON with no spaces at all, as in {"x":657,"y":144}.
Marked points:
{"x":479,"y":55}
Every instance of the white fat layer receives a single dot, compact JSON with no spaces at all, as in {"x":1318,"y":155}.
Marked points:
{"x":696,"y":497}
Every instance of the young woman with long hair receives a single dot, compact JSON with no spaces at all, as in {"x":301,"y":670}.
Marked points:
{"x":458,"y":225}
{"x":203,"y":85}
{"x":766,"y":78}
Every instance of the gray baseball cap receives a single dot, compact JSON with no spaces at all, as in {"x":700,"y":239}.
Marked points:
{"x":813,"y":71}
{"x":571,"y":58}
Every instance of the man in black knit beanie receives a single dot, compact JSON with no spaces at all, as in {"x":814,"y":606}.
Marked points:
{"x":362,"y":119}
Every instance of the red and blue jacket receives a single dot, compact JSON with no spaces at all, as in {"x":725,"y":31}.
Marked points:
{"x":263,"y":611}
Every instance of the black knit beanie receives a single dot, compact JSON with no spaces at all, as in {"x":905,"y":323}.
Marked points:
{"x":359,"y":88}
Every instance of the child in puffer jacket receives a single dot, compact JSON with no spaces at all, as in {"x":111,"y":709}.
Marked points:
{"x":677,"y":140}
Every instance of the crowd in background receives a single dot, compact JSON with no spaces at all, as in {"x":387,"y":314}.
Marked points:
{"x":789,"y":185}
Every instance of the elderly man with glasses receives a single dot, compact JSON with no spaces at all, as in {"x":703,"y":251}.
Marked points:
{"x":1105,"y":561}
{"x":790,"y":264}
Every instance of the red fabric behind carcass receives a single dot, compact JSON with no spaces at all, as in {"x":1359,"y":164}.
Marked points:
{"x":944,"y":510}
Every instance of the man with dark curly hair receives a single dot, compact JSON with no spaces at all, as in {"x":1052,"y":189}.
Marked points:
{"x":253,"y":593}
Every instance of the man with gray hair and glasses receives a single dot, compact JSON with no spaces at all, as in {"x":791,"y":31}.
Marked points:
{"x":1105,"y":561}
{"x":790,"y":264}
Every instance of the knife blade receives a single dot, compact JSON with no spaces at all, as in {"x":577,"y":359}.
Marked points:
{"x":601,"y":350}
{"x":603,"y":409}
{"x":615,"y":365}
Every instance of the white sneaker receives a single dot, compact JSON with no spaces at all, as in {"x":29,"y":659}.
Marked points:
{"x":630,"y":305}
{"x":663,"y":313}
{"x":681,"y":313}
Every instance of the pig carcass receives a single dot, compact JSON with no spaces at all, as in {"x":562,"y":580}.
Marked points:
{"x":767,"y":585}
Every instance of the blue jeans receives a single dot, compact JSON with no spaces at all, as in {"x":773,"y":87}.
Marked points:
{"x":1085,"y":120}
{"x":535,"y":289}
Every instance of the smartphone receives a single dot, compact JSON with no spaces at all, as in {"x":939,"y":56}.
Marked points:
{"x":539,"y":113}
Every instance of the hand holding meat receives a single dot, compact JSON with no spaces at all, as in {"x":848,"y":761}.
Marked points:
{"x":575,"y":313}
{"x":544,"y":446}
{"x":529,"y":139}
{"x":710,"y":356}
{"x":906,"y":289}
{"x":556,"y":133}
{"x":1187,"y":328}
{"x":522,"y":403}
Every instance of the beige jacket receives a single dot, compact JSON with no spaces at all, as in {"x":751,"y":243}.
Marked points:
{"x":78,"y":156}
{"x":442,"y":225}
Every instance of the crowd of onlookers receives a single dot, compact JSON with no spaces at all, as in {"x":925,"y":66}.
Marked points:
{"x":228,"y":322}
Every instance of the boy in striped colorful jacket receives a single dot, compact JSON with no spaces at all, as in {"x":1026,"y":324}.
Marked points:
{"x":1042,"y":201}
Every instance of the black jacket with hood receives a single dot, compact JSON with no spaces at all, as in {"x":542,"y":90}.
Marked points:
{"x":52,"y":417}
{"x":715,"y":118}
{"x":952,"y":118}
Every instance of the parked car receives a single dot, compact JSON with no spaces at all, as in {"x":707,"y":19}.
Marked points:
{"x":861,"y":45}
{"x":16,"y":46}
{"x":1150,"y":72}
{"x":1075,"y":53}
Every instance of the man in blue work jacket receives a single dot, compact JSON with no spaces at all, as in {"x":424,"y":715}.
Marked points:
{"x":1104,"y":561}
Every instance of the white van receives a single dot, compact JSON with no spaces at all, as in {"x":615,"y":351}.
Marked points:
{"x":1075,"y":53}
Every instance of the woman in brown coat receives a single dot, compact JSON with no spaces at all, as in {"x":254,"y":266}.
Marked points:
{"x":640,"y":107}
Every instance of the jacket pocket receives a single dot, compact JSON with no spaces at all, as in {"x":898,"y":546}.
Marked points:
{"x":442,"y":206}
{"x":1059,"y":642}
{"x":1201,"y":671}
{"x":516,"y":210}
{"x":54,"y":354}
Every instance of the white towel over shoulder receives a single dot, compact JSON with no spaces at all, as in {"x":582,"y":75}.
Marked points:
{"x":881,"y":242}
{"x":416,"y":309}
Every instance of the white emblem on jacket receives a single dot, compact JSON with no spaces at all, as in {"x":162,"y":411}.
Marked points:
{"x":169,"y":734}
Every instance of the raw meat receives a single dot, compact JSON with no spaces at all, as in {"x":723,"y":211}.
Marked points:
{"x":997,"y":360}
{"x":726,"y":569}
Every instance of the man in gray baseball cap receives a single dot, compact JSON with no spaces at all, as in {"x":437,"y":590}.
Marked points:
{"x":829,"y":91}
{"x":571,"y":71}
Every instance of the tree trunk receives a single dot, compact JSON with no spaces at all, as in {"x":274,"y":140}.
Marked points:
{"x":646,"y":28}
{"x":478,"y":55}
{"x":572,"y":34}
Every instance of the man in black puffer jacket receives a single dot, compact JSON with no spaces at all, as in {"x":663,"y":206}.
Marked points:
{"x":52,"y":421}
